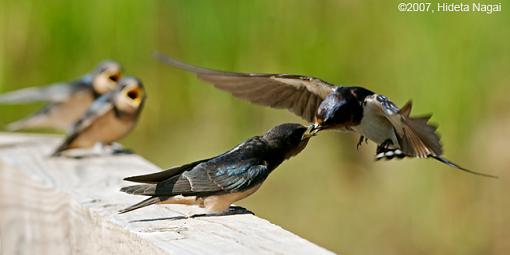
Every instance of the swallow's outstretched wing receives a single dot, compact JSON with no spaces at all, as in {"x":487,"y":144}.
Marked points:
{"x":55,"y":93}
{"x":299,"y":94}
{"x":99,"y":108}
{"x":417,"y":138}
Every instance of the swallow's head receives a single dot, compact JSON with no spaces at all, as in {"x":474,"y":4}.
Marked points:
{"x":106,"y":76}
{"x":289,"y":138}
{"x":341,"y":109}
{"x":130,"y":95}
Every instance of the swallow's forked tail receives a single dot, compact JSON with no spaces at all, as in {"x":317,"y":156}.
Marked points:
{"x":144,"y":203}
{"x":389,"y":154}
{"x":448,"y":162}
{"x":142,"y":189}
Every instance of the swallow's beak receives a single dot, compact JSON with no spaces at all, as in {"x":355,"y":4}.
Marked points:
{"x":314,"y":128}
{"x":135,"y":95}
{"x":311,"y":131}
{"x":307,"y":135}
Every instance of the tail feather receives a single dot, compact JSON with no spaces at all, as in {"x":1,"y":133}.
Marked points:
{"x":397,"y":153}
{"x":39,"y":119}
{"x":17,"y":125}
{"x":33,"y":121}
{"x":448,"y":162}
{"x":144,"y":203}
{"x":143,"y":189}
{"x":62,"y":147}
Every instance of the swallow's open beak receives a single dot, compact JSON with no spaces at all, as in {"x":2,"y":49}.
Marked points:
{"x":135,"y":95}
{"x":311,"y":131}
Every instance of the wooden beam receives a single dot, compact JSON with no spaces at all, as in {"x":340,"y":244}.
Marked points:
{"x":69,"y":206}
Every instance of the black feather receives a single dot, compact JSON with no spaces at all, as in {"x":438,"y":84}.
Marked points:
{"x":448,"y":162}
{"x":144,"y":203}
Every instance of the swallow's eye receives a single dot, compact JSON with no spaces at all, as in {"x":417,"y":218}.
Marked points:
{"x":133,"y":94}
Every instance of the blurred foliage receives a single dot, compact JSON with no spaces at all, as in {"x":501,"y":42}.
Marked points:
{"x":454,"y":65}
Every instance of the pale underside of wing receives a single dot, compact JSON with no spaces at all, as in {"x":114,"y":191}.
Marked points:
{"x":416,"y":137}
{"x":299,"y":94}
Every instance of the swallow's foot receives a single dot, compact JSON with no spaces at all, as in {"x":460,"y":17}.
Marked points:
{"x":360,"y":141}
{"x":122,"y":151}
{"x":383,"y":147}
{"x":240,"y":210}
{"x":113,"y":149}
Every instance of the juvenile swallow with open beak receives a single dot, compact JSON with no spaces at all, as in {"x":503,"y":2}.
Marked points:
{"x":109,"y":118}
{"x":329,"y":106}
{"x":215,"y":183}
{"x":67,"y":102}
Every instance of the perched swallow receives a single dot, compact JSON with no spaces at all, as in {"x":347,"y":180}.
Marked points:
{"x":109,"y":118}
{"x":216,"y":183}
{"x":67,"y":101}
{"x":329,"y":106}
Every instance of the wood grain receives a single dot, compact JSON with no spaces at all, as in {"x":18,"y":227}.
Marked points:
{"x":69,"y":206}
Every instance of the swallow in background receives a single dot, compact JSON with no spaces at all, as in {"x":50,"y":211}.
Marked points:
{"x":109,"y":118}
{"x":216,"y":183}
{"x":329,"y":106}
{"x":67,"y":101}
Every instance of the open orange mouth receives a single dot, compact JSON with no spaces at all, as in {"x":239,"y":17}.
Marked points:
{"x":135,"y":95}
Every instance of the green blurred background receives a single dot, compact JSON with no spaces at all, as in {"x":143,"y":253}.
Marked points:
{"x":454,"y":65}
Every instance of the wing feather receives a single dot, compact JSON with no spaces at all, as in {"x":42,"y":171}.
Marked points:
{"x":99,"y":108}
{"x":58,"y":92}
{"x":251,"y":87}
{"x":163,"y":175}
{"x":208,"y":178}
{"x":417,"y":138}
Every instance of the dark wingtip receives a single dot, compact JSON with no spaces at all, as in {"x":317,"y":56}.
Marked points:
{"x":158,"y":55}
{"x":449,"y":163}
{"x":165,"y":59}
{"x":130,"y":178}
{"x":144,"y":203}
{"x":56,"y":154}
{"x":123,"y":211}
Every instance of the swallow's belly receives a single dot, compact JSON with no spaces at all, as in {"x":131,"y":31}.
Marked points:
{"x":377,"y":129}
{"x":220,"y":203}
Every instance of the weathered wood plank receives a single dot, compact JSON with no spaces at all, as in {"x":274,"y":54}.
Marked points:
{"x":68,"y":206}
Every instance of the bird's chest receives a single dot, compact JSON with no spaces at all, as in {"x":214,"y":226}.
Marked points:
{"x":376,"y":128}
{"x":107,"y":129}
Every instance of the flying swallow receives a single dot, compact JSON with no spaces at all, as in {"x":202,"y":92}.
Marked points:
{"x":215,"y":183}
{"x":109,"y":118}
{"x":328,"y":106}
{"x":66,"y":101}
